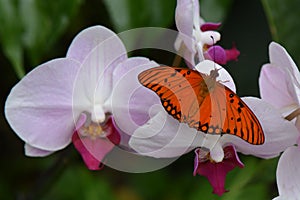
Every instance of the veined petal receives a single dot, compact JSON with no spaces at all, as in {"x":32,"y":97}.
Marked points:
{"x":39,"y":107}
{"x":88,"y":39}
{"x":132,"y":102}
{"x":276,"y":87}
{"x":35,"y":152}
{"x":288,"y":174}
{"x":279,"y":133}
{"x":224,"y":77}
{"x":93,"y":84}
{"x":163,"y":137}
{"x":279,"y":57}
{"x":184,"y":15}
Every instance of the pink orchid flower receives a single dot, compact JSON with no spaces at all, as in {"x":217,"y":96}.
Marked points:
{"x":196,"y":38}
{"x":69,"y":99}
{"x":280,"y":85}
{"x":164,"y":137}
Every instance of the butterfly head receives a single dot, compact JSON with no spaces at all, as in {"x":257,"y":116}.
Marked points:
{"x":214,"y":73}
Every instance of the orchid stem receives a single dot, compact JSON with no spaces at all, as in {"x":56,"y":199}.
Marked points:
{"x":293,"y":115}
{"x":178,"y":57}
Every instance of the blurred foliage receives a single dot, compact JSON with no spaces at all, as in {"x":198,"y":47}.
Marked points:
{"x":33,"y":26}
{"x":215,"y":10}
{"x":128,"y":14}
{"x":33,"y":31}
{"x":284,"y":23}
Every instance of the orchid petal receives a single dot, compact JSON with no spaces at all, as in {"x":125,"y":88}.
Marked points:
{"x":224,"y":77}
{"x":288,"y":174}
{"x":93,"y":150}
{"x":216,"y":53}
{"x":100,"y":146}
{"x":88,"y":39}
{"x":232,"y":54}
{"x":163,"y":137}
{"x":279,"y":133}
{"x":279,"y":57}
{"x":93,"y":83}
{"x":210,"y":26}
{"x":216,"y":172}
{"x":35,"y":152}
{"x":184,"y":15}
{"x":130,"y":100}
{"x":39,"y":107}
{"x":210,"y":37}
{"x":275,"y":87}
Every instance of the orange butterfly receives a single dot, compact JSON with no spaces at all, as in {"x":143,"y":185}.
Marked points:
{"x":202,"y":102}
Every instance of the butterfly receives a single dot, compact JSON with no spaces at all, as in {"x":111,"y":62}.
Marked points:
{"x":202,"y":102}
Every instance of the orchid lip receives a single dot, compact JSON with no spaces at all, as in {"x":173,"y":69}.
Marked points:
{"x":92,"y":129}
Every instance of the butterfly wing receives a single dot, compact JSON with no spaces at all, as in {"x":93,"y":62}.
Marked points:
{"x":202,"y":103}
{"x":176,"y":89}
{"x":241,"y":121}
{"x":230,"y":115}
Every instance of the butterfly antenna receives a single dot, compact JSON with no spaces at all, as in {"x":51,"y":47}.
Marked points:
{"x":214,"y":51}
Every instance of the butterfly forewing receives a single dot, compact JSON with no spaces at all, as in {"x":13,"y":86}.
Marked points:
{"x":175,"y":90}
{"x":203,"y":103}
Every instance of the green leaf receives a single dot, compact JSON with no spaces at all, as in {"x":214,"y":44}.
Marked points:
{"x":284,"y":24}
{"x":128,"y":14}
{"x":44,"y":22}
{"x":215,"y":10}
{"x":32,"y":26}
{"x":10,"y":35}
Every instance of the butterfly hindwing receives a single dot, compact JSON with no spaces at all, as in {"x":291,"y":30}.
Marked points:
{"x":241,"y":121}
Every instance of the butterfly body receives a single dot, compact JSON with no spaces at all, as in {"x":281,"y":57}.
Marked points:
{"x":202,"y":102}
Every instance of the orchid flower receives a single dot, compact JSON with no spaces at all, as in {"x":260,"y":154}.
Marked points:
{"x":197,"y":37}
{"x":69,"y":99}
{"x":280,"y":86}
{"x":164,"y":137}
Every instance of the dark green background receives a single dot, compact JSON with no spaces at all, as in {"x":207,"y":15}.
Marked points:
{"x":35,"y":33}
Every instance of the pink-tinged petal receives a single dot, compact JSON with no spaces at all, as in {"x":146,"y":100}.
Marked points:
{"x":288,"y":174}
{"x":216,"y":172}
{"x":164,"y":137}
{"x":35,"y":152}
{"x":232,"y":54}
{"x":88,"y":39}
{"x":210,"y":26}
{"x":184,"y":15}
{"x":275,"y":87}
{"x":131,"y":101}
{"x":297,"y":124}
{"x":89,"y":159}
{"x":39,"y":107}
{"x":80,"y":121}
{"x":114,"y":135}
{"x":93,"y":150}
{"x":279,"y":133}
{"x":279,"y":57}
{"x":216,"y":53}
{"x":224,"y":77}
{"x":93,"y":84}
